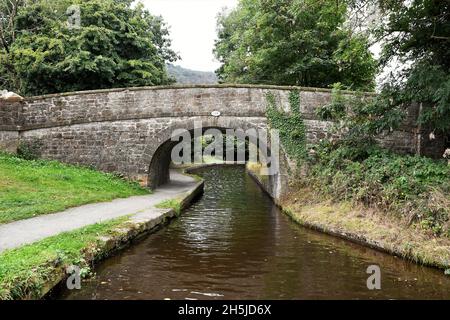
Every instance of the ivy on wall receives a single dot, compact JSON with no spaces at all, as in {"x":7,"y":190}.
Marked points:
{"x":291,"y":127}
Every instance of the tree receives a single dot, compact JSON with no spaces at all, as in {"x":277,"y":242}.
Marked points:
{"x":416,"y":35}
{"x":8,"y":13}
{"x":292,"y":42}
{"x":116,"y":45}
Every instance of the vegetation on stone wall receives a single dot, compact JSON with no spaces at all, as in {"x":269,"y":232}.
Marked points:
{"x":359,"y":118}
{"x":31,"y":188}
{"x":291,"y":128}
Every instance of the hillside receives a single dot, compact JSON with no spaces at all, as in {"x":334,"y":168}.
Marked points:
{"x":187,"y":76}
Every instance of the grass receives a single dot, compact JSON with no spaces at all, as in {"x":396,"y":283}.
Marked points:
{"x":32,"y":188}
{"x":26,"y":270}
{"x":170,"y":204}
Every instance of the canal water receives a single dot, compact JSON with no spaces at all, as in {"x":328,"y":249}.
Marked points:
{"x":235,"y":244}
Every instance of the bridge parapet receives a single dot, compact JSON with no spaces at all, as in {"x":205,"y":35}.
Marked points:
{"x":158,"y":102}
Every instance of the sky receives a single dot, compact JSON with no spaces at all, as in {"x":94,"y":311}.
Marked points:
{"x":192,"y":29}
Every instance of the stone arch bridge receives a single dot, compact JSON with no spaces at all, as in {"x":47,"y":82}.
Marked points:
{"x":125,"y":130}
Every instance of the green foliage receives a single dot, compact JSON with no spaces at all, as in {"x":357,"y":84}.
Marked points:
{"x":424,"y":83}
{"x":416,"y":33}
{"x":291,"y":127}
{"x":117,"y":45}
{"x":24,"y":271}
{"x":300,"y":42}
{"x":415,"y":187}
{"x":173,"y":204}
{"x":31,"y":188}
{"x":337,"y":109}
{"x":29,"y":150}
{"x":359,"y":118}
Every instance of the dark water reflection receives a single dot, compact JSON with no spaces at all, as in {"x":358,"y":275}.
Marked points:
{"x":235,"y":244}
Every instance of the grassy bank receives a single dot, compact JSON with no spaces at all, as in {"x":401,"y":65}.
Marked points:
{"x":32,"y":188}
{"x":368,"y":226}
{"x":24,"y":272}
{"x":412,"y":188}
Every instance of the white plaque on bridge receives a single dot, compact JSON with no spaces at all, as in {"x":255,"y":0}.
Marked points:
{"x":216,"y":113}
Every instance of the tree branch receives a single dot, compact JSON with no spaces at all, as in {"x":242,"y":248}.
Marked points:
{"x":440,"y":38}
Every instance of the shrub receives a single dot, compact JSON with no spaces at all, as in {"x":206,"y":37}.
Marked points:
{"x":416,"y":188}
{"x":29,"y":150}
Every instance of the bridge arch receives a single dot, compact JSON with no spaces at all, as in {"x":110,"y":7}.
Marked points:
{"x":158,"y":154}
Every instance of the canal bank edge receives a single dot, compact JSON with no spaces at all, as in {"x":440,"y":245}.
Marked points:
{"x":137,"y":227}
{"x":420,"y":249}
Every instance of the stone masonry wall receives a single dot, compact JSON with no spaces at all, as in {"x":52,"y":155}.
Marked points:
{"x":10,"y":121}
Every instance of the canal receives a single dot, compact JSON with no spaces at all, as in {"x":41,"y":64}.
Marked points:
{"x":235,"y":244}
